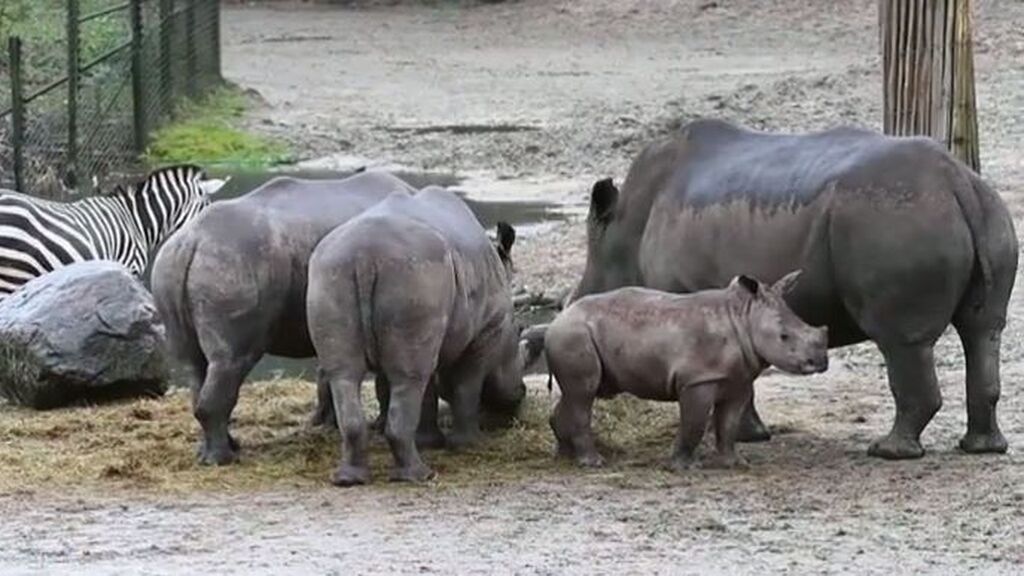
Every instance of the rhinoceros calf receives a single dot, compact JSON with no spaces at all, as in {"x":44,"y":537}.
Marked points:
{"x":411,"y":287}
{"x":231,"y":286}
{"x":703,"y":350}
{"x":895,"y":237}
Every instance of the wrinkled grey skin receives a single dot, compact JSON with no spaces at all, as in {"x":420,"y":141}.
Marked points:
{"x":231,"y":286}
{"x":895,"y":237}
{"x":411,"y":287}
{"x":702,"y":350}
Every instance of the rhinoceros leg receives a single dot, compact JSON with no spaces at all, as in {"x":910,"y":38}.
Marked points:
{"x":981,"y":347}
{"x":911,"y":369}
{"x":727,"y":415}
{"x":346,"y":390}
{"x":323,"y":412}
{"x":428,"y":434}
{"x":695,"y":405}
{"x":213,"y":406}
{"x":403,"y":419}
{"x":571,"y":424}
{"x":751,"y":428}
{"x":575,"y":364}
{"x":466,"y":381}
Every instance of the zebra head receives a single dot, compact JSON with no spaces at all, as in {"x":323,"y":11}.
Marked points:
{"x":168,"y":198}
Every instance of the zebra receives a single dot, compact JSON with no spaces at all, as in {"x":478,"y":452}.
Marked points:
{"x":125,"y":225}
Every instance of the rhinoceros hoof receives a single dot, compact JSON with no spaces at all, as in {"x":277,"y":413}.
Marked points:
{"x":564,"y":449}
{"x":977,"y":443}
{"x":430,"y":439}
{"x":681,"y":464}
{"x":218,"y":457}
{"x":416,"y":473}
{"x":734,"y":462}
{"x":896,"y":447}
{"x":592,"y":460}
{"x":348,"y":475}
{"x":321,"y":420}
{"x":750,"y":433}
{"x":462,"y":440}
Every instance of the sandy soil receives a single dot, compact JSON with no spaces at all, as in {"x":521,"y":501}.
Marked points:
{"x":538,"y":99}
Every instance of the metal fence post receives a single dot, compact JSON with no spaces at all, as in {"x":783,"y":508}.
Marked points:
{"x":17,"y":112}
{"x":191,"y":80}
{"x":138,"y":91}
{"x":166,"y":80}
{"x":73,"y":41}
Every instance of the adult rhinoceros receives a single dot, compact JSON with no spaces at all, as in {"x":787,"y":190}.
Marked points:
{"x":410,"y":287}
{"x":896,"y":240}
{"x":231,"y":286}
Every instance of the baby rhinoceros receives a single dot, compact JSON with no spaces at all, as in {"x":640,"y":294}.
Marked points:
{"x":703,"y":350}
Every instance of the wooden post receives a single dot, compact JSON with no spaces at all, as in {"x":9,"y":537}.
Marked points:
{"x":928,"y":73}
{"x":71,"y":168}
{"x":17,"y":113}
{"x":215,"y":23}
{"x":166,"y":28}
{"x":138,"y":87}
{"x":191,"y":68}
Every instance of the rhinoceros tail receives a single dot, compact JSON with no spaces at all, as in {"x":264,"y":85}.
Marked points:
{"x":170,"y":292}
{"x":969,"y":193}
{"x":365,"y":285}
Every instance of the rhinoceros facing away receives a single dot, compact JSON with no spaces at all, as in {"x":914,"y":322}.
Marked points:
{"x":231,"y":286}
{"x":410,"y":288}
{"x":895,"y":237}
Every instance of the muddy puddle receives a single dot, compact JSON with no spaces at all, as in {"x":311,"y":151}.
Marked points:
{"x":528,"y":217}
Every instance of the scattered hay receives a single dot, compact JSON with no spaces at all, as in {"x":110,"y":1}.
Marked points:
{"x":19,"y":373}
{"x":150,"y":444}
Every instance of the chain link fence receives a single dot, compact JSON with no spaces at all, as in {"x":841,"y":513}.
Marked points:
{"x":83,"y":82}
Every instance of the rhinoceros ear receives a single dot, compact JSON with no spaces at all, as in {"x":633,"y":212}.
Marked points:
{"x":747,"y":283}
{"x":788,"y":282}
{"x":602,"y":200}
{"x":506,"y":237}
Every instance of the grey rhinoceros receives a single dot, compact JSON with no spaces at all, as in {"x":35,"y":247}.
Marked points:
{"x":896,"y":239}
{"x":231,"y":286}
{"x":702,"y":350}
{"x":410,"y":288}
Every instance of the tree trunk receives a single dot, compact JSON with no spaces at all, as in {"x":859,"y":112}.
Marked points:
{"x":928,"y":63}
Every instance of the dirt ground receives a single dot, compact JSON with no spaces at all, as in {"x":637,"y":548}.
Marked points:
{"x":537,"y":99}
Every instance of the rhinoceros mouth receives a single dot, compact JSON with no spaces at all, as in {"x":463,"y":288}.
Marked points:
{"x":813,"y":367}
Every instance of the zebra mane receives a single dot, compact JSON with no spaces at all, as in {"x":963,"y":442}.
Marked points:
{"x":121,"y":190}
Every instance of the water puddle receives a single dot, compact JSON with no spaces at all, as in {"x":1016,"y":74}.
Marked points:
{"x":528,"y":217}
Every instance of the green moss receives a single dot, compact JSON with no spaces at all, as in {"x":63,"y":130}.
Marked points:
{"x":206,"y":133}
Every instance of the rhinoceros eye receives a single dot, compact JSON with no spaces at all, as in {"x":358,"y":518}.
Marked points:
{"x":784,"y":336}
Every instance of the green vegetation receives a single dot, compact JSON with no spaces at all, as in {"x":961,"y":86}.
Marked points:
{"x":205,"y":132}
{"x":42,"y":26}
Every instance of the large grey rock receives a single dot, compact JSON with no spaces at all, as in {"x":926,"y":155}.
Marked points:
{"x":87,"y":332}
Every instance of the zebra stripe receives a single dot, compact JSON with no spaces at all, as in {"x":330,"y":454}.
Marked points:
{"x":38,"y":236}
